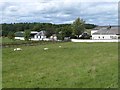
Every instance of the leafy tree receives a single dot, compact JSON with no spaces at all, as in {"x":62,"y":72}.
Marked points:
{"x":11,"y":35}
{"x":60,"y":33}
{"x":67,"y":31}
{"x":27,"y":35}
{"x":64,"y":31}
{"x":36,"y":27}
{"x":78,"y":27}
{"x":90,"y":26}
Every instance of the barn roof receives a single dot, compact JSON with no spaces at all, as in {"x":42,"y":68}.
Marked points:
{"x":105,"y":31}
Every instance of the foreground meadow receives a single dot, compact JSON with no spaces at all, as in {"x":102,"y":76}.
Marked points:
{"x":74,"y":65}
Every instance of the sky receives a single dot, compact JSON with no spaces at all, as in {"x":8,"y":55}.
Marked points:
{"x":99,"y":12}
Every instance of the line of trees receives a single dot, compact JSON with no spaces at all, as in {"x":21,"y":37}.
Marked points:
{"x":61,"y":30}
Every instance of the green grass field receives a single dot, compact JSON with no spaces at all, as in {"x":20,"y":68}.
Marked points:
{"x":74,"y":65}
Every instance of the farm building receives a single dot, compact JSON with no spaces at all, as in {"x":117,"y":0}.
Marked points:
{"x":34,"y":35}
{"x":106,"y":33}
{"x":19,"y":35}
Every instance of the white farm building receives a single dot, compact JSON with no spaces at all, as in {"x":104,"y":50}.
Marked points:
{"x":34,"y":35}
{"x":106,"y":33}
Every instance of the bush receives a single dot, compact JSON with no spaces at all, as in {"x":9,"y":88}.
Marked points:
{"x":73,"y":37}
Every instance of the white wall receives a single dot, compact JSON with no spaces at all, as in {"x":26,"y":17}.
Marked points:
{"x":39,"y":37}
{"x":19,"y":38}
{"x":105,"y":37}
{"x":79,"y":40}
{"x":34,"y":39}
{"x":43,"y":37}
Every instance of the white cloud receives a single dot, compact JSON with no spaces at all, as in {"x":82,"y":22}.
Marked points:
{"x":63,"y":11}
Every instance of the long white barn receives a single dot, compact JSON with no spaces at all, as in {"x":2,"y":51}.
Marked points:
{"x":105,"y":33}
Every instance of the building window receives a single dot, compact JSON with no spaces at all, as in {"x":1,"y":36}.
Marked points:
{"x":113,"y":37}
{"x":103,"y":37}
{"x":99,"y":37}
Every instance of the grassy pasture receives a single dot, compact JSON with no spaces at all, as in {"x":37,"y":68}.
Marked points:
{"x":74,"y":65}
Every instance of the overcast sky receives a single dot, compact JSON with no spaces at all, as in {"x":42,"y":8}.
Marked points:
{"x":100,"y":12}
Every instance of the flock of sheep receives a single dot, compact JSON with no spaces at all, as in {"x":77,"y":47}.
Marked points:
{"x":19,"y":49}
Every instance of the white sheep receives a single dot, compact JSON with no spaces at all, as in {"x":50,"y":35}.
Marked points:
{"x":45,"y":48}
{"x":60,"y":46}
{"x":17,"y":49}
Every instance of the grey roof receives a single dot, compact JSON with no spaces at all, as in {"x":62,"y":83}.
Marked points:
{"x":19,"y":34}
{"x":100,"y":27}
{"x":41,"y":33}
{"x":105,"y":31}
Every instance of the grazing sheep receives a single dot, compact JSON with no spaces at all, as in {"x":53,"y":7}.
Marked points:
{"x":60,"y":46}
{"x":45,"y":48}
{"x":17,"y":49}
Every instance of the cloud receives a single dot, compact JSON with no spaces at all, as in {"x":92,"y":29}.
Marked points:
{"x":63,"y":11}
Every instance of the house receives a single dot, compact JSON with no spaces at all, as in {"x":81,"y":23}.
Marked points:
{"x":34,"y":35}
{"x":106,"y":33}
{"x":40,"y":35}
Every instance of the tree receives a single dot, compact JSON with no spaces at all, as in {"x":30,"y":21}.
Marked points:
{"x":11,"y":35}
{"x":67,"y":31}
{"x":90,"y":26}
{"x":36,"y":27}
{"x":63,"y":31}
{"x":27,"y":35}
{"x":78,"y":27}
